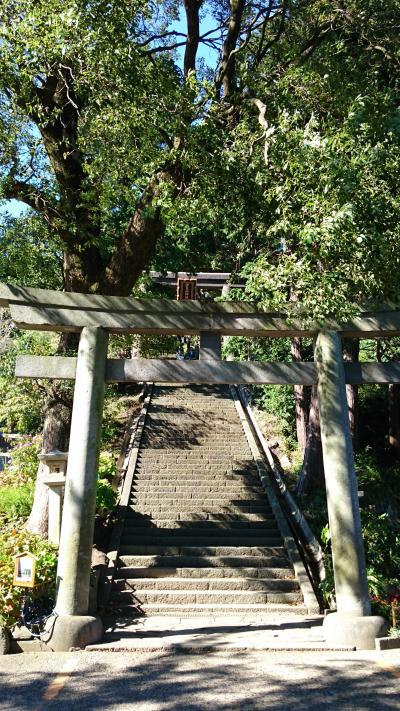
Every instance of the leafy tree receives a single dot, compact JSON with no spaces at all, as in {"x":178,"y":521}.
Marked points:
{"x":328,"y":160}
{"x":29,"y":253}
{"x":280,"y":160}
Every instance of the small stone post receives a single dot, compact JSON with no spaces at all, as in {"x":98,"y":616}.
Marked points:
{"x":210,"y":346}
{"x":352,"y":624}
{"x":74,"y":627}
{"x":56,"y":464}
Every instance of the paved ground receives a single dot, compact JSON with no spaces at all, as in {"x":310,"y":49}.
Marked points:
{"x":284,"y":632}
{"x":159,"y":681}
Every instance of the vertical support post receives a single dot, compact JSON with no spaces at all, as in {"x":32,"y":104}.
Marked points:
{"x":341,"y":482}
{"x":210,"y":346}
{"x":76,"y":540}
{"x":55,"y":512}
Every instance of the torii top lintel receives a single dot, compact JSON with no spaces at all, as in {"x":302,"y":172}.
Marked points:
{"x":40,"y":309}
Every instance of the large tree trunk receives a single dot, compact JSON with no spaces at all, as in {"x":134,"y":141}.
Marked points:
{"x":55,"y":436}
{"x":300,"y":398}
{"x":351,"y":350}
{"x":312,"y":475}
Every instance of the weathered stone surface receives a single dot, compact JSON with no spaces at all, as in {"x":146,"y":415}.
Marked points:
{"x":76,"y":541}
{"x":70,"y":632}
{"x":5,"y":640}
{"x":350,"y":630}
{"x":382,"y":643}
{"x":351,"y":584}
{"x":189,"y":543}
{"x":51,"y":310}
{"x":20,"y":632}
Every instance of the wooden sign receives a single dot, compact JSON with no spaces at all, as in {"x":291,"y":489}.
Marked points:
{"x":186,"y":289}
{"x":25,"y":570}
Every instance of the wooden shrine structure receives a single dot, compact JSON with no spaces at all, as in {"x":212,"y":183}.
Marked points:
{"x":95,"y":316}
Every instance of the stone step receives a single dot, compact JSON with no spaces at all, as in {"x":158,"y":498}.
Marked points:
{"x":199,"y":497}
{"x":268,"y":585}
{"x":190,"y":490}
{"x":200,"y":610}
{"x":227,"y":485}
{"x":200,"y":537}
{"x":199,"y":516}
{"x":180,"y":454}
{"x":231,"y":468}
{"x":229,"y":440}
{"x":202,"y":528}
{"x":204,"y":561}
{"x":211,"y":457}
{"x":196,"y":483}
{"x":151,"y":543}
{"x":214,"y":573}
{"x":210,"y":597}
{"x":171,"y":477}
{"x":193,"y":477}
{"x":203,"y":535}
{"x":207,"y":507}
{"x":160,"y":454}
{"x":218,"y":467}
{"x":219,"y":551}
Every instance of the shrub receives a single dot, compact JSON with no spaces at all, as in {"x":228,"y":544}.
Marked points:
{"x":16,"y":503}
{"x":24,"y":462}
{"x":12,"y":542}
{"x":106,"y":498}
{"x":107,"y":465}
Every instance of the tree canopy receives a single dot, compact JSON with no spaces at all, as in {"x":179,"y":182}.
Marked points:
{"x":279,"y":157}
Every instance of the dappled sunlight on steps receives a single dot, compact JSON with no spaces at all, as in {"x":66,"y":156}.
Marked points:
{"x":200,"y":537}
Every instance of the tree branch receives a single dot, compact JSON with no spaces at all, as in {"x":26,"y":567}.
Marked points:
{"x":192,"y":8}
{"x":14,"y":189}
{"x":135,"y":246}
{"x":227,"y":67}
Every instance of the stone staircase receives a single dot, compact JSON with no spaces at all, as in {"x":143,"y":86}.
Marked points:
{"x":199,"y":536}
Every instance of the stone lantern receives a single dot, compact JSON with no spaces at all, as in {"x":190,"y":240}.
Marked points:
{"x":56,"y":466}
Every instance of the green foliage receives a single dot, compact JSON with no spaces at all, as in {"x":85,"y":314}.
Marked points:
{"x":107,"y":465}
{"x":277,"y":401}
{"x":12,"y":542}
{"x":21,"y":406}
{"x":106,"y":498}
{"x":394,"y":632}
{"x":381,"y":607}
{"x":115,"y":410}
{"x":22,"y":401}
{"x":381,"y":536}
{"x":381,"y":532}
{"x":24,"y":462}
{"x":15,"y":502}
{"x":29,"y":254}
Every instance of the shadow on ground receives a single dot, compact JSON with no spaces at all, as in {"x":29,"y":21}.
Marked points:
{"x":252,"y":682}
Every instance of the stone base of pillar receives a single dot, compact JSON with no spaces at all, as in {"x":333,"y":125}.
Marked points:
{"x":72,"y":631}
{"x":359,"y":632}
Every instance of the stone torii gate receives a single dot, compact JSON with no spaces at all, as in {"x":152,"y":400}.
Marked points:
{"x":95,"y":316}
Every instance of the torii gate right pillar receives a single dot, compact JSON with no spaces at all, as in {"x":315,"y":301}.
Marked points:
{"x":353,"y":623}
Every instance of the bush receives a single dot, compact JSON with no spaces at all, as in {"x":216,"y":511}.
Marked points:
{"x":16,"y":503}
{"x":12,"y":542}
{"x":107,"y":465}
{"x":24,"y":462}
{"x":106,"y":498}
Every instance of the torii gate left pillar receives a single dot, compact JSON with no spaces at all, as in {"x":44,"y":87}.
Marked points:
{"x":73,"y":626}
